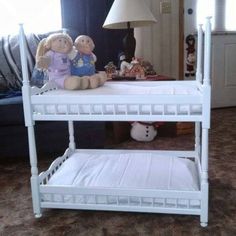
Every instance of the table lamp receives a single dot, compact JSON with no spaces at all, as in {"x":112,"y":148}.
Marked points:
{"x":128,"y":14}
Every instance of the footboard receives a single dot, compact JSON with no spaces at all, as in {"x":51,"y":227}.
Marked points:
{"x":140,"y":200}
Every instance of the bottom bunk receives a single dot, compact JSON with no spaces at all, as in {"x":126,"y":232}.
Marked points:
{"x":124,"y":180}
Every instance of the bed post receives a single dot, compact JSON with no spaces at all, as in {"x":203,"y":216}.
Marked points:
{"x":199,"y":54}
{"x":206,"y":80}
{"x":207,"y":52}
{"x":206,"y":122}
{"x":197,"y":139}
{"x":199,"y":79}
{"x":30,"y":125}
{"x":71,"y":135}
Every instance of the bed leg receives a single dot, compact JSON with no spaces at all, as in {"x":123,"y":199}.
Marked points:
{"x":35,"y":197}
{"x":34,"y":172}
{"x":204,"y":205}
{"x":197,"y":138}
{"x":204,"y":178}
{"x":29,"y":122}
{"x":71,"y":135}
{"x":38,"y":215}
{"x":204,"y":224}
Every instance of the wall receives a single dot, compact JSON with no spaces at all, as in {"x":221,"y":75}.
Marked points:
{"x":159,"y":43}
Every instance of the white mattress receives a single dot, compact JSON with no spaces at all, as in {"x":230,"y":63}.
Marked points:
{"x":131,"y":170}
{"x":128,"y":88}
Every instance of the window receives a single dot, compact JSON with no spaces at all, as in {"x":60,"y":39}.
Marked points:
{"x":38,"y":16}
{"x":222,"y":12}
{"x":230,"y":16}
{"x":204,"y":9}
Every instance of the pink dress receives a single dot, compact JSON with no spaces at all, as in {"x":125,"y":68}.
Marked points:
{"x":59,"y":68}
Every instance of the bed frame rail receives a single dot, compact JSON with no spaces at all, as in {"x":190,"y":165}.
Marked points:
{"x":179,"y":202}
{"x":140,"y":200}
{"x":119,"y":112}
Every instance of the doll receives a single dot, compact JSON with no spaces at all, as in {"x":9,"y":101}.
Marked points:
{"x":83,"y":62}
{"x":190,"y":60}
{"x":52,"y":55}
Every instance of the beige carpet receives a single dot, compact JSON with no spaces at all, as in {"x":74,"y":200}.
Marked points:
{"x":16,"y":217}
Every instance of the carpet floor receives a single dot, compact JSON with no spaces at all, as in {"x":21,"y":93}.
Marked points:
{"x":16,"y":216}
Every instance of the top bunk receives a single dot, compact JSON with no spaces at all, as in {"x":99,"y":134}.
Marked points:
{"x":124,"y":101}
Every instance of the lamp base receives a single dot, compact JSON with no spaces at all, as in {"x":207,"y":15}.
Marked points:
{"x":129,"y":44}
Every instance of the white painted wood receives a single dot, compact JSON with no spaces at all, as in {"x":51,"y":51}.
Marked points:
{"x":207,"y":53}
{"x":124,"y":208}
{"x":148,"y":200}
{"x":71,"y":135}
{"x":34,"y":172}
{"x":199,"y":54}
{"x":204,"y":202}
{"x":30,"y":125}
{"x":197,"y":138}
{"x":204,"y":179}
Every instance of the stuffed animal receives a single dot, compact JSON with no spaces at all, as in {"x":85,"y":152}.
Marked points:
{"x":143,"y":131}
{"x":52,"y":55}
{"x":83,"y":62}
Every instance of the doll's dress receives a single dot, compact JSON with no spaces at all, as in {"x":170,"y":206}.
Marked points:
{"x":59,"y":68}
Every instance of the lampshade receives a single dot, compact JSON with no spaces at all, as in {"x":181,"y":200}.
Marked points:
{"x":135,"y":12}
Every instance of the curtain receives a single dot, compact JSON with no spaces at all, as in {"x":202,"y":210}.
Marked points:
{"x":87,"y":17}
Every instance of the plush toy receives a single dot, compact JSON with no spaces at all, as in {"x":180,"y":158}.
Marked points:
{"x":52,"y":55}
{"x":143,"y":131}
{"x":83,"y":62}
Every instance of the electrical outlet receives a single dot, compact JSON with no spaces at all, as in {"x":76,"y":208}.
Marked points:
{"x":165,"y":7}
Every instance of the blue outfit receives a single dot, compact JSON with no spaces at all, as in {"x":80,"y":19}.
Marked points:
{"x":82,"y":65}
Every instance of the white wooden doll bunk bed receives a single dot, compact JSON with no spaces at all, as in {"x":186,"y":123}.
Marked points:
{"x":124,"y":180}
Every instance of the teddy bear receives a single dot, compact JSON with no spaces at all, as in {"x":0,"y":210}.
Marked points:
{"x":53,"y":55}
{"x":83,"y":62}
{"x":143,"y":131}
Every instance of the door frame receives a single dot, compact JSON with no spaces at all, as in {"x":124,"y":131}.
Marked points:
{"x":181,"y":39}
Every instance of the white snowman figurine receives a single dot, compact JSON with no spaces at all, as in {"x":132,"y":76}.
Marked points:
{"x":143,"y":131}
